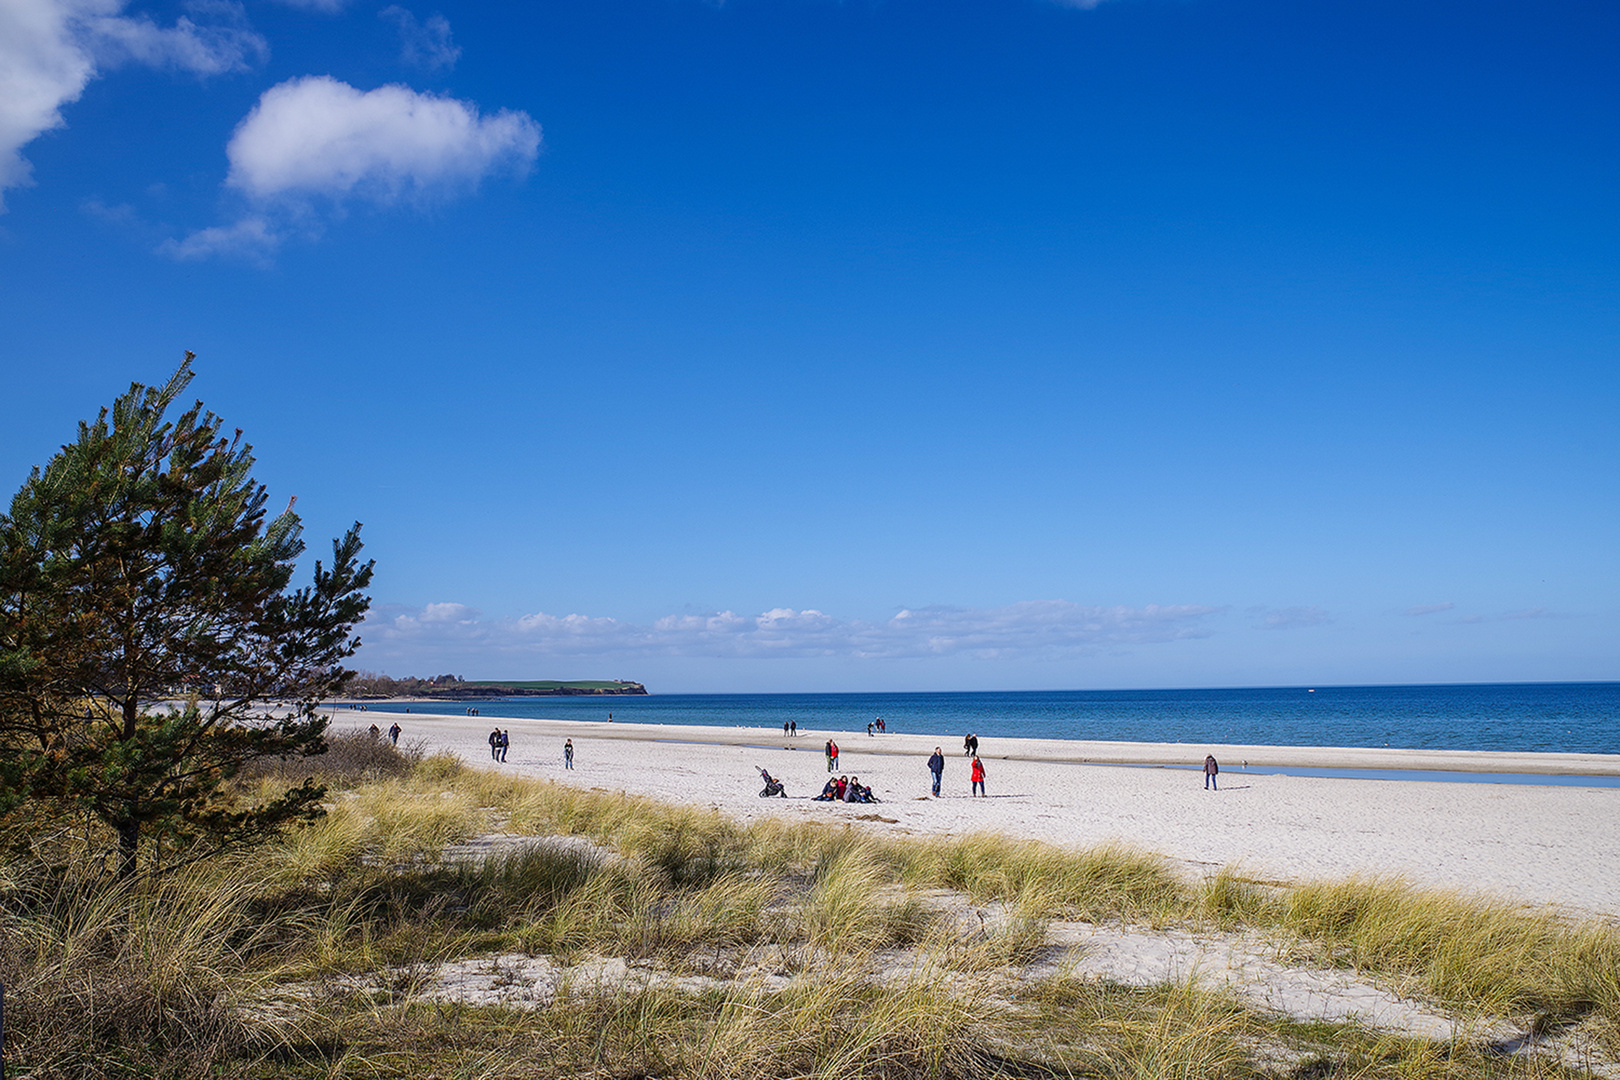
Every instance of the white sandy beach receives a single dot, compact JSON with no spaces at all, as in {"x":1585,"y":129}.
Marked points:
{"x":1532,"y":844}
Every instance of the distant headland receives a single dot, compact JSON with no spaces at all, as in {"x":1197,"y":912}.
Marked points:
{"x":369,"y":684}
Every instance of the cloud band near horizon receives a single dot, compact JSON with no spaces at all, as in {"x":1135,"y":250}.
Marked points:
{"x":1026,"y":629}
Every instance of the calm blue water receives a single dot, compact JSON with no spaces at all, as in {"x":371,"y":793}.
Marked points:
{"x":1575,"y":717}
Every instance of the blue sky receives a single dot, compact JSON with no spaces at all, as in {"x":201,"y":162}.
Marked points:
{"x":883,"y":344}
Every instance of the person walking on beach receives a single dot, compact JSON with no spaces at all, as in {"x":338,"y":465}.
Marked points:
{"x":832,"y":755}
{"x":793,"y":728}
{"x":977,"y":778}
{"x":1211,"y":767}
{"x":784,"y":727}
{"x":568,"y":753}
{"x":506,"y":744}
{"x":970,"y":745}
{"x":393,"y":733}
{"x":495,"y":745}
{"x":936,"y":765}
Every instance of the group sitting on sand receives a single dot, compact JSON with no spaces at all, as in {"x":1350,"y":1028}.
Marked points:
{"x":850,"y":790}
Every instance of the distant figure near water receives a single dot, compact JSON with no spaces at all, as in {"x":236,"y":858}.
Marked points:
{"x":568,"y":753}
{"x":970,"y":745}
{"x":832,"y":755}
{"x":1211,"y":767}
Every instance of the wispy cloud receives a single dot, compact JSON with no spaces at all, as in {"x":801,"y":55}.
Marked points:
{"x":425,"y":44}
{"x":324,"y":7}
{"x":1509,"y":616}
{"x":250,"y":238}
{"x":312,"y":145}
{"x":1291,"y":618}
{"x":1429,"y":609}
{"x":1028,"y":629}
{"x":50,"y":50}
{"x":223,"y":42}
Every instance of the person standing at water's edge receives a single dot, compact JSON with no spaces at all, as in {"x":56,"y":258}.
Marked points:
{"x":568,"y":753}
{"x":1211,"y":767}
{"x":936,"y":765}
{"x":832,"y":755}
{"x":970,"y":745}
{"x":977,"y":778}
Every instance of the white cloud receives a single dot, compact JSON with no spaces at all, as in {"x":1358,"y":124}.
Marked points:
{"x":51,"y":49}
{"x":1430,"y":609}
{"x":424,"y":44}
{"x":325,"y":7}
{"x":317,"y":140}
{"x":316,"y":136}
{"x":1028,"y":629}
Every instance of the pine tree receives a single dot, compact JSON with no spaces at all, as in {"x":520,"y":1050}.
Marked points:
{"x":150,"y":645}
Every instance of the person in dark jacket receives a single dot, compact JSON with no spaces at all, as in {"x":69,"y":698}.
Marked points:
{"x":773,"y":786}
{"x":936,"y":765}
{"x":1211,"y":767}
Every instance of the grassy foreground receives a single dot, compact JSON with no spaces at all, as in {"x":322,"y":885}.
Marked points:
{"x":769,"y":950}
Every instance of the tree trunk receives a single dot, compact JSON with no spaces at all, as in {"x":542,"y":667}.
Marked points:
{"x":129,"y":847}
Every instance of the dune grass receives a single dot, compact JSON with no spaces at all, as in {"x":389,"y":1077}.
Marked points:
{"x":189,"y":974}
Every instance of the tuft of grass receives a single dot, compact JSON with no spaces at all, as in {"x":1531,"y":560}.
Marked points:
{"x":1108,"y":882}
{"x":1485,"y":955}
{"x":352,"y":758}
{"x":1233,"y":901}
{"x":98,"y":972}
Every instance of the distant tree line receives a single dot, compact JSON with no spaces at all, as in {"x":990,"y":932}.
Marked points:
{"x":374,"y":684}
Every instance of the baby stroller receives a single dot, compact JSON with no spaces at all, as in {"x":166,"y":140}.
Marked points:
{"x":773,"y":786}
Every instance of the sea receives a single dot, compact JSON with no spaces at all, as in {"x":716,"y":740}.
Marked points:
{"x":1573,"y":717}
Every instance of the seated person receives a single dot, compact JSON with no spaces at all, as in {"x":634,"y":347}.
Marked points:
{"x":772,"y":786}
{"x":828,"y":793}
{"x":843,"y":786}
{"x":853,"y":792}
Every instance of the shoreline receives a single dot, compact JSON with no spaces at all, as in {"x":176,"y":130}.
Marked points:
{"x":1076,"y":751}
{"x":1523,"y":843}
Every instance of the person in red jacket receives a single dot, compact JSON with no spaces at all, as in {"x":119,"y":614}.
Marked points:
{"x":977,"y":776}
